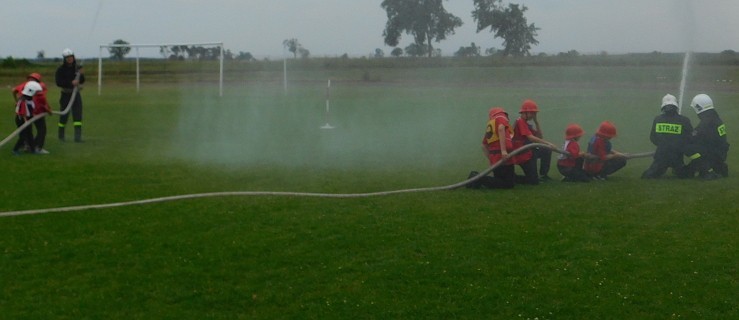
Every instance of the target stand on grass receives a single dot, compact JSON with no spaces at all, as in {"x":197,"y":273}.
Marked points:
{"x":328,"y":109}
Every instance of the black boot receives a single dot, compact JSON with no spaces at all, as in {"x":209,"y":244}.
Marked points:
{"x":77,"y":134}
{"x":61,"y":133}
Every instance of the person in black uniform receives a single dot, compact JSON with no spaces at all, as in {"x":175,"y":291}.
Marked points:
{"x":670,"y":133}
{"x":66,"y":79}
{"x":708,"y":147}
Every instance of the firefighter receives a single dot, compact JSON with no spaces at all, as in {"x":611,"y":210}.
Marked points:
{"x":65,"y":79}
{"x":496,"y":143}
{"x":601,"y":160}
{"x":23,"y":113}
{"x":670,"y":133}
{"x":708,"y":147}
{"x":41,"y":105}
{"x":570,"y":164}
{"x":525,"y":133}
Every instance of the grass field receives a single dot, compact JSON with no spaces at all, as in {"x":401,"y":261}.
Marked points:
{"x":618,"y":249}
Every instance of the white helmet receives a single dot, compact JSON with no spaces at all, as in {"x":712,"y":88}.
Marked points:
{"x":31,"y":88}
{"x":669,"y":100}
{"x":67,"y":52}
{"x":701,"y":102}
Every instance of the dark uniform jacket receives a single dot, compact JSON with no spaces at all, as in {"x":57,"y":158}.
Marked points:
{"x":64,"y":76}
{"x":670,"y":130}
{"x":711,"y":134}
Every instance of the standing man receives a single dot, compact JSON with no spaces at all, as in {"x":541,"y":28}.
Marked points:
{"x":66,"y":79}
{"x":708,"y":148}
{"x":670,"y":133}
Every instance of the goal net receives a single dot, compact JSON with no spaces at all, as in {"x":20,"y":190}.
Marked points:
{"x":212,"y":51}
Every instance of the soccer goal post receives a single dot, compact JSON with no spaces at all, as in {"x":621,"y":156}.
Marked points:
{"x":138,"y":69}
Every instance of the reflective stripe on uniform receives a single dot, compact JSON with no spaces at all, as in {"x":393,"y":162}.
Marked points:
{"x":78,"y":123}
{"x":669,"y":128}
{"x":695,"y":156}
{"x":722,"y":130}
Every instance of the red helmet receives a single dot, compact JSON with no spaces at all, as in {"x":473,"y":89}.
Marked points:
{"x":529,"y":106}
{"x":606,"y":129}
{"x":35,"y":76}
{"x":494,"y":111}
{"x":573,"y":131}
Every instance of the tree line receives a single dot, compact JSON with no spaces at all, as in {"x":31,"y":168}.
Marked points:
{"x":426,"y":21}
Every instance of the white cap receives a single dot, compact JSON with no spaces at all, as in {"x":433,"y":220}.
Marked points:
{"x":31,"y":88}
{"x":67,"y":52}
{"x":669,"y":100}
{"x":701,"y":102}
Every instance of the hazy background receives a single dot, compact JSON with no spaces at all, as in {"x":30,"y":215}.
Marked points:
{"x":354,"y":27}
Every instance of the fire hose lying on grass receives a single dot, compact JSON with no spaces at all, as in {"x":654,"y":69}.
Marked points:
{"x":295,"y":194}
{"x":41,"y":115}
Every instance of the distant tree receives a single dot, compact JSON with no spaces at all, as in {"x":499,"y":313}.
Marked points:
{"x":379,"y":53}
{"x":471,"y":51}
{"x":304,"y":53}
{"x":119,"y":53}
{"x":165,"y":51}
{"x":417,"y":50}
{"x":571,"y":53}
{"x":725,"y":52}
{"x":245,"y":56}
{"x":292,"y":45}
{"x":426,"y":20}
{"x":40,"y":55}
{"x":507,"y":23}
{"x":397,"y":52}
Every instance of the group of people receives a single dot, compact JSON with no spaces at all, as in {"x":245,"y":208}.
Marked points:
{"x":672,"y":134}
{"x":30,"y":98}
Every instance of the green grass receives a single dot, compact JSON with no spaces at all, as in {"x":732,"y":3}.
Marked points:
{"x":621,"y":249}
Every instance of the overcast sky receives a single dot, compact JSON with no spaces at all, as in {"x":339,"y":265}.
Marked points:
{"x":335,"y":27}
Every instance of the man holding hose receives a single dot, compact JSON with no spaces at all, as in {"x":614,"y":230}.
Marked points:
{"x":66,"y":79}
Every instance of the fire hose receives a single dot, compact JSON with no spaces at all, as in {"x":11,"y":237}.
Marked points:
{"x":43,"y":114}
{"x":296,"y":194}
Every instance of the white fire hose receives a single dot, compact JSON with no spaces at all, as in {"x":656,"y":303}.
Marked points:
{"x":294,"y":194}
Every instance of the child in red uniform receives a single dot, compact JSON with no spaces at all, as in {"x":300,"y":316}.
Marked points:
{"x":523,"y":136}
{"x":24,"y":112}
{"x":41,"y":105}
{"x":601,"y":159}
{"x":495,"y":144}
{"x":570,"y":164}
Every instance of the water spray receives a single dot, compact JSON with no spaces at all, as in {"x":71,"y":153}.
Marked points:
{"x":298,"y":194}
{"x":683,"y":81}
{"x":328,"y":99}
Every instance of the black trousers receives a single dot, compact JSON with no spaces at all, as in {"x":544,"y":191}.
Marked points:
{"x":529,"y":171}
{"x":544,"y":157}
{"x":574,"y":174}
{"x":40,"y":138}
{"x":25,"y":137}
{"x":76,"y":108}
{"x":665,"y":158}
{"x":503,"y":177}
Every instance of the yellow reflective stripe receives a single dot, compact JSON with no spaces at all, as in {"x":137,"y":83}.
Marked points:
{"x":62,"y":125}
{"x":722,"y":130}
{"x":78,"y":123}
{"x":669,"y":128}
{"x":695,"y":156}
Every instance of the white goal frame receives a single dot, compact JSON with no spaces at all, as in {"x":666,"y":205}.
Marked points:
{"x":137,"y":46}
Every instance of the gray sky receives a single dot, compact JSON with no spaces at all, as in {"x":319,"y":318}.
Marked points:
{"x":335,"y":27}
